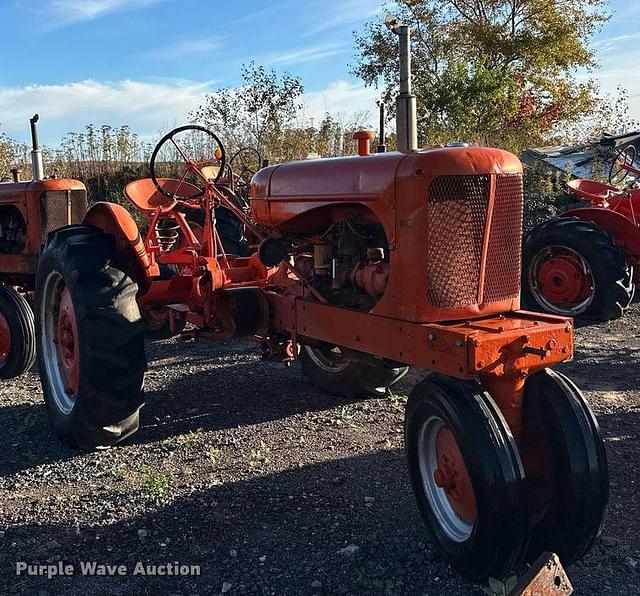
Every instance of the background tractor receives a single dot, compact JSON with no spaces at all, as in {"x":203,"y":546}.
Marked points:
{"x":585,"y":263}
{"x":28,"y":212}
{"x":359,"y":267}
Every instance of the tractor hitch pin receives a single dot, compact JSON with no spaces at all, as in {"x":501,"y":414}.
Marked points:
{"x":542,"y":352}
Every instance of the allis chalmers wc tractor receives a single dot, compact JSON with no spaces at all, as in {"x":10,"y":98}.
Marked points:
{"x":28,"y":212}
{"x":361,"y":266}
{"x":586,"y":263}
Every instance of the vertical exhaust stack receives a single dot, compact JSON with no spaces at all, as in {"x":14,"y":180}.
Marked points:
{"x":382,"y":139}
{"x":36,"y":153}
{"x":406,"y":102}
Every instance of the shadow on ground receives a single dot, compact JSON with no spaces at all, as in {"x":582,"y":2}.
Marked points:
{"x":286,"y":530}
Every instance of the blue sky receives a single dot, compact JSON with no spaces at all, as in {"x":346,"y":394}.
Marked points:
{"x":146,"y":63}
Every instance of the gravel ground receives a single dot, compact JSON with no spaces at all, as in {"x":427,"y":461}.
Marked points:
{"x":271,"y":487}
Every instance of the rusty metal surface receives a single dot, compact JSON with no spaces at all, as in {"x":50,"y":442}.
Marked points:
{"x":546,"y":577}
{"x":497,"y":345}
{"x":43,"y":205}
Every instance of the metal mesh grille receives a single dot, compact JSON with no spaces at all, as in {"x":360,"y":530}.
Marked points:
{"x":502,"y":273}
{"x":457,"y":215}
{"x":60,"y":208}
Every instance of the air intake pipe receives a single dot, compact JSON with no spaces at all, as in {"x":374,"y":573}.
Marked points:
{"x":406,"y":119}
{"x":36,"y":154}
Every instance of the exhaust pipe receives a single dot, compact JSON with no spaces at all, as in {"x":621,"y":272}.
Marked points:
{"x":36,"y":154}
{"x":406,"y":118}
{"x":382,"y":138}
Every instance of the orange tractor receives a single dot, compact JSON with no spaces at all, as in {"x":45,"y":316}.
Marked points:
{"x":28,"y":212}
{"x":586,"y":262}
{"x":359,"y":267}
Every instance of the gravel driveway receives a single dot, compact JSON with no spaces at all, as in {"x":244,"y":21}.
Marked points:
{"x":270,"y":487}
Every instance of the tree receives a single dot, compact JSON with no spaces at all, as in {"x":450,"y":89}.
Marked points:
{"x":256,"y":114}
{"x":499,"y":72}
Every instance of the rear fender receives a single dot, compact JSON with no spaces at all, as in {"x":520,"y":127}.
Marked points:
{"x":625,"y":233}
{"x":116,"y":220}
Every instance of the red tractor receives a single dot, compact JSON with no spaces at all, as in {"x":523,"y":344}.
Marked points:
{"x":585,"y":263}
{"x":359,"y":267}
{"x":28,"y":212}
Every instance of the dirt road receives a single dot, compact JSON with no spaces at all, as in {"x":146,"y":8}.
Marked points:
{"x":270,"y":487}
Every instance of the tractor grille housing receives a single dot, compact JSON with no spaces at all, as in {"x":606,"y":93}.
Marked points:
{"x":474,"y":235}
{"x":60,"y":208}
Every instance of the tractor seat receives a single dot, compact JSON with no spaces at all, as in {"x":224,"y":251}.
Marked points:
{"x":146,"y":197}
{"x":597,"y":192}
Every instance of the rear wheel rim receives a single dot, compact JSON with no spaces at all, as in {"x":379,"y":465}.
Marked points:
{"x":60,"y":346}
{"x":5,"y":340}
{"x":445,"y":480}
{"x":561,"y":280}
{"x":329,"y":359}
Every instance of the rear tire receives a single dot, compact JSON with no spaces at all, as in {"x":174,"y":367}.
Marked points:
{"x":588,"y":251}
{"x":330,"y":371}
{"x":469,"y":483}
{"x":18,"y":335}
{"x":90,"y":339}
{"x":562,"y":441}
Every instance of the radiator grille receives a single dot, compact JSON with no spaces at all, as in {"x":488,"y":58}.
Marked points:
{"x":457,"y":215}
{"x":60,"y":208}
{"x":502,"y":279}
{"x":457,"y":218}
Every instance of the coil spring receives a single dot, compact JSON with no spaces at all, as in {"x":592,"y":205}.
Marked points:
{"x":168,"y":232}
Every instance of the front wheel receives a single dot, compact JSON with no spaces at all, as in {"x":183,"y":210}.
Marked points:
{"x":566,"y":467}
{"x":467,"y":477}
{"x":573,"y":268}
{"x":17,"y":334}
{"x":90,"y":339}
{"x":334,"y":371}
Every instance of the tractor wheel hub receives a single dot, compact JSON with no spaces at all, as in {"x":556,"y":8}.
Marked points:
{"x":564,"y":279}
{"x":452,"y":476}
{"x":66,"y":342}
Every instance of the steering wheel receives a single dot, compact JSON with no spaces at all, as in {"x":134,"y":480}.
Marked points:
{"x":249,"y":160}
{"x":187,"y":146}
{"x":622,"y":164}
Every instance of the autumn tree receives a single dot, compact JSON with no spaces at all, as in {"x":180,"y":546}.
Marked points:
{"x":499,"y":72}
{"x":257,"y":113}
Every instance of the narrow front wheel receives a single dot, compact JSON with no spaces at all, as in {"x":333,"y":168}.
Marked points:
{"x":467,"y":477}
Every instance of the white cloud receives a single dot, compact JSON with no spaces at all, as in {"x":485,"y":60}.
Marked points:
{"x":301,"y":55}
{"x":605,"y":46}
{"x":343,"y":98}
{"x":66,"y":12}
{"x":146,"y":107}
{"x":185,"y":48}
{"x":340,"y":14}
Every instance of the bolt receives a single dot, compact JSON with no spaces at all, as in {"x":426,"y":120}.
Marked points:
{"x":568,"y":327}
{"x":459,"y":343}
{"x":552,"y":344}
{"x":481,"y":364}
{"x":431,"y":336}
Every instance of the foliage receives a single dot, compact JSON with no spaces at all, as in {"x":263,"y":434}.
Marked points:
{"x":154,"y":482}
{"x":257,"y":113}
{"x":545,"y":195}
{"x":265,"y":113}
{"x":611,"y":115}
{"x":495,"y":72}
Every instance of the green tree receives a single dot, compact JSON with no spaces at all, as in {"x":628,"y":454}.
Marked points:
{"x":499,"y":72}
{"x":259,"y":113}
